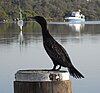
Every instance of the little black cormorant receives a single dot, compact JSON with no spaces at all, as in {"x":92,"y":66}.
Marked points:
{"x":55,"y":51}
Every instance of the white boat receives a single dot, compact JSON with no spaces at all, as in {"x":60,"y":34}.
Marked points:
{"x":75,"y":17}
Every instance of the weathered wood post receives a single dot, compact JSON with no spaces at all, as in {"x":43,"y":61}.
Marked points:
{"x":42,"y":81}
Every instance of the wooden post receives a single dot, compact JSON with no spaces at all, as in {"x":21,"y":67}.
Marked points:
{"x":42,"y":81}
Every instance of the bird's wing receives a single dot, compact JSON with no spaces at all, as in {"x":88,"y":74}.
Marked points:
{"x":57,"y":53}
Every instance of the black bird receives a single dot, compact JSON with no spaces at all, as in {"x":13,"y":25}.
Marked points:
{"x":55,"y":51}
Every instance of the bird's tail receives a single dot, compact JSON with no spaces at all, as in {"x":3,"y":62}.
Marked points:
{"x":74,"y":72}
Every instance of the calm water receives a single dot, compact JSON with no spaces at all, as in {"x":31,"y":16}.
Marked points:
{"x":25,"y":51}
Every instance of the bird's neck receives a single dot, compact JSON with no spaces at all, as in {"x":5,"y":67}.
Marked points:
{"x":45,"y":33}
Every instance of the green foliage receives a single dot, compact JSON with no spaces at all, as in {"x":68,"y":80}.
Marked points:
{"x":9,"y":9}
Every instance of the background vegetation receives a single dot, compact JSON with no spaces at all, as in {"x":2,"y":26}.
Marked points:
{"x":9,"y":9}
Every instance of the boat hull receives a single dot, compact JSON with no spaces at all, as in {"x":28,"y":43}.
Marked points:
{"x":74,"y":19}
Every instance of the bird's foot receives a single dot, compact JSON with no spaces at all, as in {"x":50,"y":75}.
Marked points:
{"x":53,"y":69}
{"x":57,"y":69}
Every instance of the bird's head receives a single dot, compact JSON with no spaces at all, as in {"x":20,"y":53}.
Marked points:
{"x":41,"y":20}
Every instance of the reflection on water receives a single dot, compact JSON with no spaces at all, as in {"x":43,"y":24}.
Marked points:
{"x":20,"y":37}
{"x":32,"y":32}
{"x":77,"y":27}
{"x":81,"y":41}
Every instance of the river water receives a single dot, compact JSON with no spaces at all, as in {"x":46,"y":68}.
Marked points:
{"x":25,"y":51}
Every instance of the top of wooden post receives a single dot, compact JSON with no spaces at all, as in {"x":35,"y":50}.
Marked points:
{"x":41,"y":75}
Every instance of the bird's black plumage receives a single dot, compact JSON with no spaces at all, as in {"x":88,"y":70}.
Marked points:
{"x":55,"y":51}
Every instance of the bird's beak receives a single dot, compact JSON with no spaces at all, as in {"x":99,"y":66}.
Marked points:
{"x":33,"y":18}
